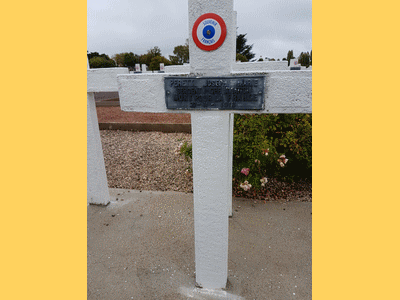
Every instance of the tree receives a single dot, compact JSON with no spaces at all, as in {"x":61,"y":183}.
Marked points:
{"x":146,"y":58}
{"x":242,"y":48}
{"x":181,"y":54}
{"x":241,"y":57}
{"x":101,"y":62}
{"x":97,"y":60}
{"x":127,"y":60}
{"x":156,"y":61}
{"x":154,"y":51}
{"x":119,"y":59}
{"x":96,"y":54}
{"x":304,"y":59}
{"x":289,"y":56}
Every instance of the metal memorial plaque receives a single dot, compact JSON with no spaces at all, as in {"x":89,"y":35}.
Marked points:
{"x":215,"y":93}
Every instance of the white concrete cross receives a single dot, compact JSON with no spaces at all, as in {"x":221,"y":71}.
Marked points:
{"x":98,"y":80}
{"x":212,"y":133}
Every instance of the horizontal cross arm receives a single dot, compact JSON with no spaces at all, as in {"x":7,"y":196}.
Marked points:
{"x":285,"y":92}
{"x":104,"y":80}
{"x":144,"y":93}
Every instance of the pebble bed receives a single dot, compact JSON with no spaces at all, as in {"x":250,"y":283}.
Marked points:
{"x":146,"y":161}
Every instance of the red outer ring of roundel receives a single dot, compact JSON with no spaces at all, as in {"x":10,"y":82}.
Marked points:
{"x":223,"y":32}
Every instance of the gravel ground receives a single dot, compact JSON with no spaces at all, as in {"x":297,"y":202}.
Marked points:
{"x":147,"y":161}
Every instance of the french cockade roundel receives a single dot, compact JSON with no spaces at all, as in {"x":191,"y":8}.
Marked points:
{"x":209,"y":32}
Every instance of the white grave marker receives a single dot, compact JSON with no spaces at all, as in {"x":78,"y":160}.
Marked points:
{"x":294,"y":64}
{"x":137,"y":68}
{"x":211,"y":94}
{"x":98,"y":80}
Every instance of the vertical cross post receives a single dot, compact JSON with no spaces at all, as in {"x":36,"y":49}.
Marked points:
{"x":211,"y":139}
{"x":98,"y":80}
{"x":97,"y":186}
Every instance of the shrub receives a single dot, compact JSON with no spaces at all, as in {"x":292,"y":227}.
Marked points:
{"x":278,"y":146}
{"x":265,"y":146}
{"x":186,"y":150}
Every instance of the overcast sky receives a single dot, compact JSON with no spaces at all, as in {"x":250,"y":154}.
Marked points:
{"x":273,"y":26}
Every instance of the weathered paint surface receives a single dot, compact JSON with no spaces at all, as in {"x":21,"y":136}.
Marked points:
{"x":104,"y":80}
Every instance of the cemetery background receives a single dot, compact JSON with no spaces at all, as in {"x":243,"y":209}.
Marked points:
{"x":354,"y":233}
{"x":211,"y":131}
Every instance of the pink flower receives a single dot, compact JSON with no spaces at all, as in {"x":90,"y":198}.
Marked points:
{"x":245,"y":171}
{"x":264,"y":180}
{"x":246,"y":185}
{"x":282,"y":160}
{"x":257,"y":161}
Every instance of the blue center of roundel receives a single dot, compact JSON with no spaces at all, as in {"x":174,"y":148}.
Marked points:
{"x":208,"y":32}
